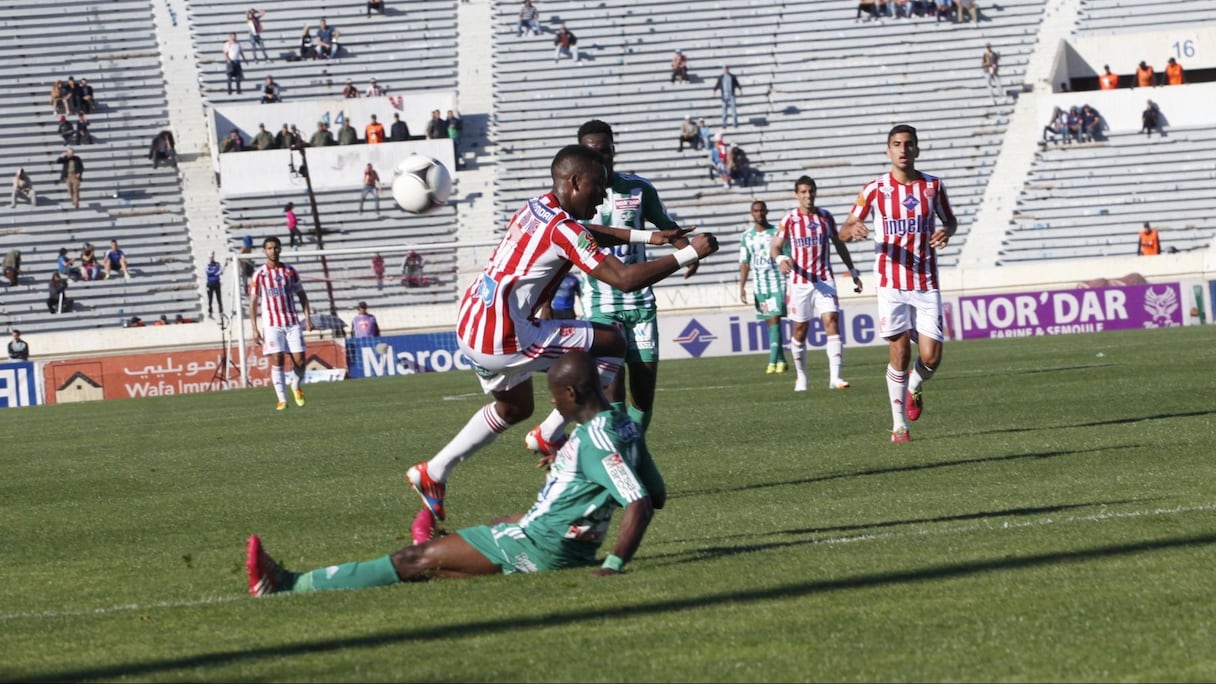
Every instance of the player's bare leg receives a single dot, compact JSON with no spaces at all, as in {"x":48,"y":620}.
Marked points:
{"x":449,"y":556}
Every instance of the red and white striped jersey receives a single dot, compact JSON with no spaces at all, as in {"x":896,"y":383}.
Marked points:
{"x":905,"y":216}
{"x":809,"y":239}
{"x":277,"y":287}
{"x":541,"y":244}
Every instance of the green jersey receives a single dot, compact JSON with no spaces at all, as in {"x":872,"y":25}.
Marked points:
{"x":755,"y":248}
{"x":631,"y":203}
{"x":599,"y":468}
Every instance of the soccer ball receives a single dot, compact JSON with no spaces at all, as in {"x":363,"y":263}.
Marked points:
{"x":421,"y":184}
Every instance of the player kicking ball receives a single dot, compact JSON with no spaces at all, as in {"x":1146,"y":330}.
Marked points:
{"x":906,"y":205}
{"x":273,"y":290}
{"x":599,"y":468}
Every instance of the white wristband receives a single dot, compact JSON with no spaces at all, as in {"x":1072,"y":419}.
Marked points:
{"x":639,"y":237}
{"x":686,"y":255}
{"x":782,"y":259}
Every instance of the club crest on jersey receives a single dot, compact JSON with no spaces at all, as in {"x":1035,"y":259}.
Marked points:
{"x":910,"y":203}
{"x":586,"y":243}
{"x":886,"y":191}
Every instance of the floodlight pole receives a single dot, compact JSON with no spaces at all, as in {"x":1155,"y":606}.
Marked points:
{"x":316,"y":222}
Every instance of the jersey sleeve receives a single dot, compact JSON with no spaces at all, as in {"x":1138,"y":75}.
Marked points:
{"x":861,"y":207}
{"x":941,"y":203}
{"x":296,"y":286}
{"x":830,"y":222}
{"x":744,"y":252}
{"x":578,"y":245}
{"x":653,"y":210}
{"x":253,"y":283}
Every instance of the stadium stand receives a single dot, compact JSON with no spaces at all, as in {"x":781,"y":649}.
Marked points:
{"x":122,"y":197}
{"x":1126,"y":16}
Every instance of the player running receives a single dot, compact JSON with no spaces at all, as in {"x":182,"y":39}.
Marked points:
{"x":498,"y":327}
{"x":631,"y":202}
{"x":906,"y":205}
{"x":768,"y":283}
{"x":274,"y":286}
{"x":807,"y":230}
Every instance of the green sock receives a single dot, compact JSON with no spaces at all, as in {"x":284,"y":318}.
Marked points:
{"x":619,"y":406}
{"x":774,"y":344}
{"x":359,"y":575}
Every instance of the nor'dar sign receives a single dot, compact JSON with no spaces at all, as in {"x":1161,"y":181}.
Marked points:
{"x":1063,"y":312}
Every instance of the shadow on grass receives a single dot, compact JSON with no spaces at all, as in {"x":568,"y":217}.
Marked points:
{"x":476,"y":629}
{"x":1092,"y":423}
{"x":897,"y":469}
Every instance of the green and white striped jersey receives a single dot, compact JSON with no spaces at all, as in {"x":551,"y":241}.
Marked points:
{"x":755,"y":249}
{"x":631,"y":203}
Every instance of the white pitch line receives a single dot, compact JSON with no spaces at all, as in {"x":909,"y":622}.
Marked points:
{"x":1095,"y":517}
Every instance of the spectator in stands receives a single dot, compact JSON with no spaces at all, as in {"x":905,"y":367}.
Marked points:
{"x":327,"y":40}
{"x":233,"y":143}
{"x":990,"y":62}
{"x":179,"y":319}
{"x":232,"y":63}
{"x":1075,"y":131}
{"x":12,"y":266}
{"x":81,"y":134}
{"x":23,"y":187}
{"x":969,"y":7}
{"x":1173,"y":72}
{"x":1058,"y":125}
{"x":163,"y":320}
{"x":364,"y":324}
{"x":869,"y":7}
{"x":85,"y":91}
{"x":378,"y":270}
{"x":263,"y":140}
{"x":371,"y":186}
{"x":373,"y":90}
{"x":1091,"y":124}
{"x":944,"y":10}
{"x":65,"y":266}
{"x":455,"y":126}
{"x":350,"y":92}
{"x":294,"y":239}
{"x":253,"y":18}
{"x":288,"y":137}
{"x":347,"y":135}
{"x":566,"y":43}
{"x":529,"y":19}
{"x":163,"y":149}
{"x":719,"y":159}
{"x":374,"y":132}
{"x":72,"y":172}
{"x":398,"y":131}
{"x":135,"y":322}
{"x":116,"y":261}
{"x":436,"y":128}
{"x":882,"y":8}
{"x":60,"y":100}
{"x":57,"y":302}
{"x":246,"y":265}
{"x":89,"y":268}
{"x":902,"y":8}
{"x":679,"y":67}
{"x":270,"y":91}
{"x":728,"y":85}
{"x":67,"y":130}
{"x":706,"y":134}
{"x":741,"y":170}
{"x":1144,"y":75}
{"x":1150,"y":119}
{"x":18,"y":350}
{"x":215,"y":273}
{"x":411,"y":270}
{"x":322,"y":137}
{"x":377,"y":5}
{"x":307,"y":49}
{"x":1150,"y":241}
{"x":71,"y":92}
{"x":689,"y":133}
{"x":1108,"y":80}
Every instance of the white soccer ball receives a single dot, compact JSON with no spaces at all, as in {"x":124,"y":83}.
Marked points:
{"x":421,"y":184}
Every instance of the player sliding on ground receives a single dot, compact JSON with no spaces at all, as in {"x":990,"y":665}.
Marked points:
{"x":599,"y":468}
{"x":499,"y":329}
{"x":906,"y":204}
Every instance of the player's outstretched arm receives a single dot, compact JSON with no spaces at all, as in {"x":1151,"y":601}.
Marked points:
{"x":633,"y":277}
{"x":610,"y":236}
{"x":633,"y":527}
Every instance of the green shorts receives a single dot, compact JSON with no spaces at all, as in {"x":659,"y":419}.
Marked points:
{"x":641,"y":328}
{"x":770,"y":304}
{"x":507,"y":546}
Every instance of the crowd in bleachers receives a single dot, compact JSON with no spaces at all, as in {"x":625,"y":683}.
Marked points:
{"x":941,"y":10}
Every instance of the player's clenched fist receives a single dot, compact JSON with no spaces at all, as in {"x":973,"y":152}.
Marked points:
{"x":704,"y":243}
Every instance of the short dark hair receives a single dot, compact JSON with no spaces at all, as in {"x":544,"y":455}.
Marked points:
{"x":574,"y":156}
{"x":805,"y":180}
{"x":761,"y":203}
{"x":289,"y":206}
{"x":593,"y":127}
{"x":903,"y":128}
{"x":273,"y":238}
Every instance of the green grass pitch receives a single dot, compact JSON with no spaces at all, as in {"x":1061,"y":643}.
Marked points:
{"x":1054,"y":519}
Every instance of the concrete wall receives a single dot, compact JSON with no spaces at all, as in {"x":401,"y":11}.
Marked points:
{"x":1186,"y":105}
{"x":1194,"y":47}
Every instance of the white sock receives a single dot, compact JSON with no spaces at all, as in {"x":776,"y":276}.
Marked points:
{"x":482,"y":428}
{"x":798,"y":351}
{"x":835,"y":352}
{"x":297,"y":377}
{"x":920,"y":373}
{"x":897,"y":389}
{"x":552,"y":426}
{"x":276,"y":379}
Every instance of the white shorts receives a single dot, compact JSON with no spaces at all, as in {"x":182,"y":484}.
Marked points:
{"x":902,"y":310}
{"x":278,"y":338}
{"x":543,"y":341}
{"x":806,"y":300}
